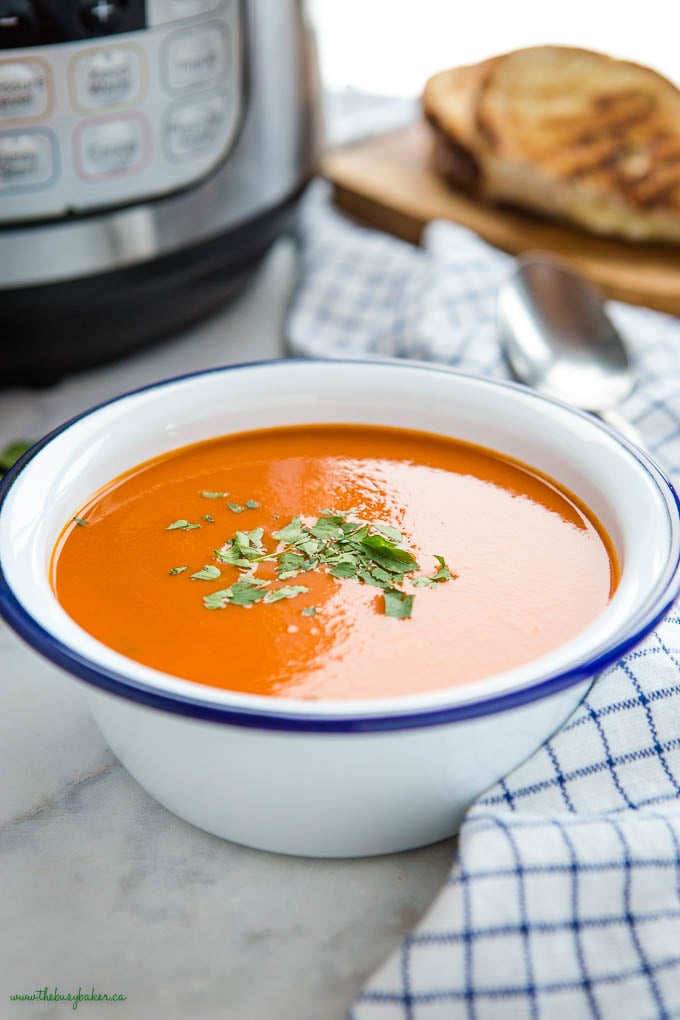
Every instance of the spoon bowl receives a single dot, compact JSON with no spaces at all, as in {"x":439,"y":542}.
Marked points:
{"x":559,"y":339}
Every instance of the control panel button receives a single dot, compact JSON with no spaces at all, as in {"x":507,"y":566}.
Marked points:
{"x":24,"y":89}
{"x":30,"y":23}
{"x":193,"y":126}
{"x":195,"y":58}
{"x":26,"y":159}
{"x":102,"y":15}
{"x":105,"y":77}
{"x":114,"y":146}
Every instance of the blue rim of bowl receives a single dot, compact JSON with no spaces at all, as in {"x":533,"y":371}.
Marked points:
{"x":21,"y":621}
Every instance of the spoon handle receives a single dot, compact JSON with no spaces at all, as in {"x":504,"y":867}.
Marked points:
{"x":618,"y":421}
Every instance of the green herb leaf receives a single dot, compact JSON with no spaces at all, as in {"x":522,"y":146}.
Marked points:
{"x":285,"y":593}
{"x":251,"y":504}
{"x":423,"y":582}
{"x":327,"y":528}
{"x":252,"y":554}
{"x":257,"y":582}
{"x":214,"y":495}
{"x":389,"y":532}
{"x":382,"y":578}
{"x":235,"y":508}
{"x":443,"y":572}
{"x":309,"y":611}
{"x":233,"y":556}
{"x":291,"y":561}
{"x":182,"y":525}
{"x":11,"y":453}
{"x":386,"y":555}
{"x":292,"y":533}
{"x":311,"y":547}
{"x":217,"y":599}
{"x":80,"y":520}
{"x":177,"y":570}
{"x":207,"y":573}
{"x":207,"y":517}
{"x":345,"y":569}
{"x":365,"y":576}
{"x":244,"y":594}
{"x":357,"y":532}
{"x":398,"y":604}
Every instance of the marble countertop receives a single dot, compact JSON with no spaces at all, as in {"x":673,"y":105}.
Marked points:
{"x":99,"y":885}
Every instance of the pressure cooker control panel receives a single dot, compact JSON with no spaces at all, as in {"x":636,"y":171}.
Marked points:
{"x":111,"y":102}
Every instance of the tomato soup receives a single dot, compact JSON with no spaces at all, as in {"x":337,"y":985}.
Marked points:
{"x":333,"y":561}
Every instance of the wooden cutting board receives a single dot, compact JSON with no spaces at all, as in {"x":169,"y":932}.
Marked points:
{"x":386,"y":181}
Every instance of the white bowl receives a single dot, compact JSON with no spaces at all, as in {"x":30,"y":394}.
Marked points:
{"x":333,"y":778}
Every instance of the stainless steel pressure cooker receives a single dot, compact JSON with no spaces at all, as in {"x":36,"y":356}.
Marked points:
{"x":150,"y":152}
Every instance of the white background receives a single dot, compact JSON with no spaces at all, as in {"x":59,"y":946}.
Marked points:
{"x":391,"y":46}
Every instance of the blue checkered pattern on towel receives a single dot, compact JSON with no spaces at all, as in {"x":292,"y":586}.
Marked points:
{"x":564,"y":901}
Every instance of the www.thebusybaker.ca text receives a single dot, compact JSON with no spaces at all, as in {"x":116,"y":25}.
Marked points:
{"x":45,"y":995}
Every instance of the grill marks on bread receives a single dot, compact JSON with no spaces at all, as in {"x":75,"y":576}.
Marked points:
{"x":632,"y":148}
{"x":566,"y":132}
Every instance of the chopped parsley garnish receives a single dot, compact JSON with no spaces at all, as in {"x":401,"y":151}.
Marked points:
{"x":292,"y":533}
{"x":347,"y":569}
{"x":177,"y":570}
{"x":208,"y":518}
{"x":242,"y":593}
{"x":441,"y":574}
{"x":214,"y":495}
{"x":251,"y":504}
{"x":366,"y":552}
{"x":182,"y":525}
{"x":217,"y":599}
{"x":245,"y":592}
{"x":287,"y":592}
{"x":11,"y":453}
{"x":398,"y":604}
{"x":391,"y":533}
{"x":80,"y":520}
{"x":207,"y":573}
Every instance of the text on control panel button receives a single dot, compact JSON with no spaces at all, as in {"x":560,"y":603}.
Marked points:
{"x":26,"y":159}
{"x":191,"y":127}
{"x":24,"y":89}
{"x":195,"y":58}
{"x":112,"y":147}
{"x":106,"y":77}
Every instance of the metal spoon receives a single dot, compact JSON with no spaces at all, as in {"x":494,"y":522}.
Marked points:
{"x":559,"y":339}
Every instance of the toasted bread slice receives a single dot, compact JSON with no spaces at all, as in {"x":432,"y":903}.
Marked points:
{"x":566,"y":132}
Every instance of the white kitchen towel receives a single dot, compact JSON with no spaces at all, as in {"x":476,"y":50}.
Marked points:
{"x":564,"y":900}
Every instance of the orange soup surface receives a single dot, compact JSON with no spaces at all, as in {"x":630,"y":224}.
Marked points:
{"x":509,"y":565}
